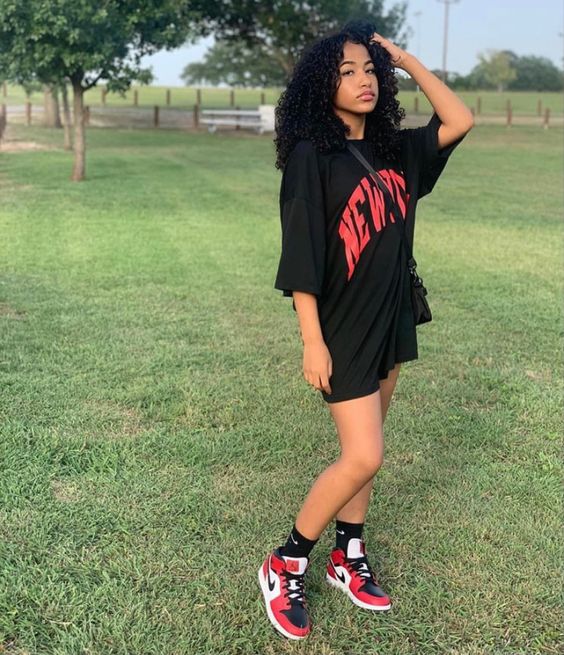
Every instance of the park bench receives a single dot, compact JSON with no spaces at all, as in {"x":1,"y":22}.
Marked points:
{"x":261,"y":119}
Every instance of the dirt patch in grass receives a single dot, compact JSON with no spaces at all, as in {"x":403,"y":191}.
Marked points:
{"x":115,"y":420}
{"x":23,"y":146}
{"x":7,"y":311}
{"x":66,"y":492}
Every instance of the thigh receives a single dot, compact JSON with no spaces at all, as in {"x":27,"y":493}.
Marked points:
{"x":359,"y":425}
{"x":387,"y":386}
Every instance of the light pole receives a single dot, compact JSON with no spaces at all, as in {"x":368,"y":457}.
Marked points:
{"x":446,"y":3}
{"x":417,"y":15}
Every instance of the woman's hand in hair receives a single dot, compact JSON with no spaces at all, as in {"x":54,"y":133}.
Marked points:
{"x":398,"y":56}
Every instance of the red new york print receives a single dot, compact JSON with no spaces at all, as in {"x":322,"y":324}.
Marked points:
{"x":367,"y":204}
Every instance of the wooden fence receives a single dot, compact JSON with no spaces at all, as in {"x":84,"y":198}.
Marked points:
{"x":165,"y":116}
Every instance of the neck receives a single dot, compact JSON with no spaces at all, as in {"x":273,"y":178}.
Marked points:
{"x":355,"y":121}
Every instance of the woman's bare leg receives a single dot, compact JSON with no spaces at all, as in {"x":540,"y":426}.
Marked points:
{"x":359,"y":426}
{"x":355,"y":510}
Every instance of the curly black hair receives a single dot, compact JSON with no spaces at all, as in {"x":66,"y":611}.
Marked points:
{"x":305,"y":107}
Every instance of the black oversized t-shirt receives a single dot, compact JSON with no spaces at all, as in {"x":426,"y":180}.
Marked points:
{"x":340,"y":243}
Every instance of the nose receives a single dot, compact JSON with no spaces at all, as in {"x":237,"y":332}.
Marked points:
{"x":368,"y":80}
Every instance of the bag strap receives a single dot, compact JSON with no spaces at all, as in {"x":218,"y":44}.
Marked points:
{"x":399,"y":219}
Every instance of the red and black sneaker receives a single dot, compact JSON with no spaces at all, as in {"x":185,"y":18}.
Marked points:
{"x":281,"y":579}
{"x":352,"y":574}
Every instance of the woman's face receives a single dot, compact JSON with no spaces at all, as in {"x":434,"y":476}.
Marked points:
{"x":357,"y":88}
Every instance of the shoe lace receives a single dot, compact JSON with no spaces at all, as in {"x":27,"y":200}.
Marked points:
{"x":361,"y":566}
{"x":294,"y":587}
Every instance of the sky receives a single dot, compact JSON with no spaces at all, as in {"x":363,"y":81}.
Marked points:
{"x":525,"y":27}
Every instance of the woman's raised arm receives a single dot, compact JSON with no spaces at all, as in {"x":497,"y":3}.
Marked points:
{"x":455,"y":116}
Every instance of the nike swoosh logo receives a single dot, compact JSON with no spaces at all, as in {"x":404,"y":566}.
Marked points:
{"x":292,"y":538}
{"x":341,"y":531}
{"x":339,"y":575}
{"x":271,"y":583}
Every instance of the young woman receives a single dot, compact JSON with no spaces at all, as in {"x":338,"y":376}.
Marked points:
{"x":343,"y":262}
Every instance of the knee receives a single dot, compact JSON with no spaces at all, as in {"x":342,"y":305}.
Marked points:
{"x":364,"y":466}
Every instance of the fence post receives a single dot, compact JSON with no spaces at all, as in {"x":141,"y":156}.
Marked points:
{"x":196,"y":116}
{"x":168,"y":97}
{"x":135,"y":98}
{"x":2,"y":121}
{"x":509,"y":114}
{"x":473,"y":111}
{"x":103,"y":93}
{"x":198,"y":97}
{"x":156,"y":116}
{"x":479,"y":105}
{"x":237,"y":126}
{"x":231,"y":98}
{"x":28,"y":113}
{"x":539,"y":107}
{"x":263,"y":98}
{"x":546,"y":118}
{"x":416,"y":104}
{"x":87,"y":115}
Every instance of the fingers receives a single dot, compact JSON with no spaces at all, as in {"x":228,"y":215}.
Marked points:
{"x":319,"y":381}
{"x":325,"y":383}
{"x":396,"y":55}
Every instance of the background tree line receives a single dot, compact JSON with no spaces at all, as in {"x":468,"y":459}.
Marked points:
{"x":238,"y":64}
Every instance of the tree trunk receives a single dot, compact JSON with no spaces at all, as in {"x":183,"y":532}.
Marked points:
{"x":51,"y":114}
{"x":67,"y":115}
{"x":78,"y":171}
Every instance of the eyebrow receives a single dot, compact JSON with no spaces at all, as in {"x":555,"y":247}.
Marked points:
{"x":368,"y":61}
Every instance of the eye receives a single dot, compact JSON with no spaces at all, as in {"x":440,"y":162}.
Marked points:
{"x":371,"y":70}
{"x":347,"y":72}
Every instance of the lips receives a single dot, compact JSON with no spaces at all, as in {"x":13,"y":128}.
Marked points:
{"x":367,"y":95}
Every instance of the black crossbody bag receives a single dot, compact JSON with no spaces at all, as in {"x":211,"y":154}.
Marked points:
{"x":421,"y":310}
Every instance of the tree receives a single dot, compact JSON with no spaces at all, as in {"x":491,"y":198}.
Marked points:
{"x":83,"y":42}
{"x":536,"y":74}
{"x":496,"y":69}
{"x":283,"y":28}
{"x":528,"y":73}
{"x":235,"y":64}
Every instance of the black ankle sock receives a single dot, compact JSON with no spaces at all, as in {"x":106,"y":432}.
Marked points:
{"x":345,"y":531}
{"x":297,"y":545}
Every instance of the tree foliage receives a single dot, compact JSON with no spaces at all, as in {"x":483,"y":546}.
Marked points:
{"x":495,"y":69}
{"x":236,"y":64}
{"x":283,"y":28}
{"x":536,"y":74}
{"x":504,"y":70}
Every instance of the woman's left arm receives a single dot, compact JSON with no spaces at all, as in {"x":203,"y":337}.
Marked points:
{"x":455,"y":116}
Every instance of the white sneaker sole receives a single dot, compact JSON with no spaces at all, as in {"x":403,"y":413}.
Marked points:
{"x":264,"y":589}
{"x":339,"y":585}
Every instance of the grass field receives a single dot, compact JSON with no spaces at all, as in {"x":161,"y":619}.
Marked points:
{"x":183,"y":97}
{"x":158,"y":437}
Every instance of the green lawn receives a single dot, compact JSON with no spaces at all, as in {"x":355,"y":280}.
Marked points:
{"x":158,"y":437}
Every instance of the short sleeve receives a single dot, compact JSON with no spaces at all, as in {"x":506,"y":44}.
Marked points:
{"x":423,"y":156}
{"x":302,"y":258}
